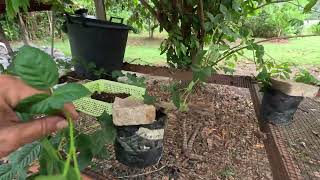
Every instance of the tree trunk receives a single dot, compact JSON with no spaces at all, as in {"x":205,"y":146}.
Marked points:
{"x":52,"y":32}
{"x":49,"y":14}
{"x":5,"y":41}
{"x":33,"y":24}
{"x":100,"y":9}
{"x":24,"y":30}
{"x":149,"y":28}
{"x":151,"y":33}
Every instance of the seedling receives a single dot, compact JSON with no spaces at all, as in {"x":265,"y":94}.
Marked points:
{"x":62,"y":155}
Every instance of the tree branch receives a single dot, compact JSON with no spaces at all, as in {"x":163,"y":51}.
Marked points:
{"x":234,"y":49}
{"x":162,"y":21}
{"x":201,"y":17}
{"x":272,"y":2}
{"x":150,"y":9}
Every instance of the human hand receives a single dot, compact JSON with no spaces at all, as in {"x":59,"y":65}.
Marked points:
{"x":13,"y":132}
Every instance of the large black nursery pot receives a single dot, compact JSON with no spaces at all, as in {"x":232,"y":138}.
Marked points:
{"x":141,"y":146}
{"x":279,"y":108}
{"x":283,"y":98}
{"x":97,"y":42}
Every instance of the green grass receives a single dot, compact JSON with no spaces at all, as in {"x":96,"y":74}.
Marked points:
{"x":301,"y":51}
{"x":143,"y":53}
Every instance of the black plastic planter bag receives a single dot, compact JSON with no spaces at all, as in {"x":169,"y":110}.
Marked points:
{"x":279,"y":108}
{"x":141,"y":146}
{"x":101,"y":43}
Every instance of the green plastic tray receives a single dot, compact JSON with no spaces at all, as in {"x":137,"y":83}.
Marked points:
{"x":96,"y":108}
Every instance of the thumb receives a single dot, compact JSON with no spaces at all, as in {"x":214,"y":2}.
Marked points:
{"x":20,"y":134}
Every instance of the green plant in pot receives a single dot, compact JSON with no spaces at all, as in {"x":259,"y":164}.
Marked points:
{"x":282,"y":96}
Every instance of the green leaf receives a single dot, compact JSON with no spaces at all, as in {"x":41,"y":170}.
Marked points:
{"x":45,"y":104}
{"x":105,"y":120}
{"x":309,"y":6}
{"x":175,"y":95}
{"x":116,"y":74}
{"x":21,"y":173}
{"x":225,"y":12}
{"x":71,"y":92}
{"x":29,"y":101}
{"x":25,"y":155}
{"x":84,"y":158}
{"x":210,"y":16}
{"x":202,"y":73}
{"x":1,"y":69}
{"x":7,"y":172}
{"x":208,"y":26}
{"x":147,"y":99}
{"x":106,"y":135}
{"x":57,"y":177}
{"x":24,"y":117}
{"x":100,"y":138}
{"x":84,"y":145}
{"x":35,"y":67}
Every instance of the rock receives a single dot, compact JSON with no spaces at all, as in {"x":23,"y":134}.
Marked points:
{"x":168,"y":106}
{"x":127,"y":112}
{"x":292,"y":88}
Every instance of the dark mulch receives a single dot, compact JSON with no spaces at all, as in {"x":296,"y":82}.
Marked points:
{"x":108,"y":97}
{"x":70,"y":77}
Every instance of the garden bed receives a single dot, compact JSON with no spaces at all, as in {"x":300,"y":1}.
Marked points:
{"x":228,"y":139}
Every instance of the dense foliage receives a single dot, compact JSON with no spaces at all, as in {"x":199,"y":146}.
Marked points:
{"x":316,"y":29}
{"x":277,"y":20}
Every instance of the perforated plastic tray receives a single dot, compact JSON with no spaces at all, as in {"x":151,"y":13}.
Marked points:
{"x":96,"y":108}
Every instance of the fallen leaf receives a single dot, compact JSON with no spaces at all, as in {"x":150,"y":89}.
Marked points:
{"x":316,"y":174}
{"x":303,"y":144}
{"x":315,"y":133}
{"x":210,"y":143}
{"x":165,"y":178}
{"x":258,"y":146}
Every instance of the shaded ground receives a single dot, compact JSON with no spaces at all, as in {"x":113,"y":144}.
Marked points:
{"x":227,"y":139}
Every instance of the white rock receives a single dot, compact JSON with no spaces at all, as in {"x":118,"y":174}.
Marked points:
{"x":127,"y":112}
{"x":292,"y":88}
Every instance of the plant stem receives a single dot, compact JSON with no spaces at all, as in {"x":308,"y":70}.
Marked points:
{"x":72,"y":151}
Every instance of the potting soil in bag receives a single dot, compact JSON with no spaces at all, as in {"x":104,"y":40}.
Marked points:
{"x":279,"y":108}
{"x":142,"y":145}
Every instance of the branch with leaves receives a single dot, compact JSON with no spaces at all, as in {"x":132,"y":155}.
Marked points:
{"x":64,"y":154}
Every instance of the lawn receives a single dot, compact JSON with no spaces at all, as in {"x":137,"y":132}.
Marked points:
{"x":300,"y":51}
{"x":140,"y":49}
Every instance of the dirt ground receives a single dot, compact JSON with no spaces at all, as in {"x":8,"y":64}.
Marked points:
{"x":227,"y":139}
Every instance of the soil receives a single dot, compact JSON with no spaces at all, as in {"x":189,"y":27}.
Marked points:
{"x":70,"y":77}
{"x":228,"y":139}
{"x":108,"y":97}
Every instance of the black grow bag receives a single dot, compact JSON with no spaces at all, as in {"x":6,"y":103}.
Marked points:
{"x":101,"y":42}
{"x":279,"y":108}
{"x":141,"y":146}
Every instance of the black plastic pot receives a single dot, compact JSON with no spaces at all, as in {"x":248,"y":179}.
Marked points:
{"x":141,"y":146}
{"x":97,"y":42}
{"x":279,"y":108}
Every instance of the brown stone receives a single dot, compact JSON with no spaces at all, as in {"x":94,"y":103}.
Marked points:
{"x":127,"y":112}
{"x":292,"y":88}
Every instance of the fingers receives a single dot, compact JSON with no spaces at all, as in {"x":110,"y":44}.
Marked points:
{"x":12,"y":137}
{"x":72,"y":110}
{"x":13,"y":90}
